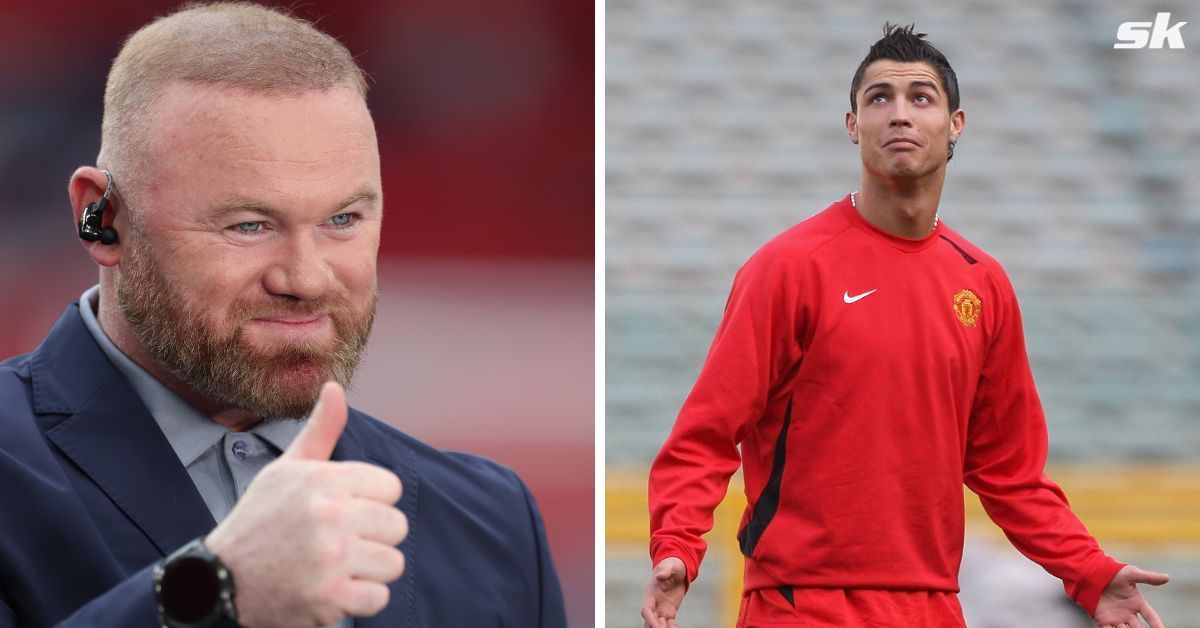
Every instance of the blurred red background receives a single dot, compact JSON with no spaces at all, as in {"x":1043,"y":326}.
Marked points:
{"x":485,"y":114}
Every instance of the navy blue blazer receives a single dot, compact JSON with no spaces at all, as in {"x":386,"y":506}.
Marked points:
{"x":92,"y":496}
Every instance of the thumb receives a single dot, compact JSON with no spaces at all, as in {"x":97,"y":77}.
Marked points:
{"x":323,"y":427}
{"x":1148,"y":577}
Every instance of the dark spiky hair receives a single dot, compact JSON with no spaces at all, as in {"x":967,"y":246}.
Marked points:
{"x":900,"y":43}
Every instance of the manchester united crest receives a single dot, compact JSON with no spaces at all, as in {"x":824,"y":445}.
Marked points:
{"x":967,"y":307}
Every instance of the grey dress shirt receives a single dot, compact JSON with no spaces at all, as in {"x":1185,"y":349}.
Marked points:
{"x":221,"y":463}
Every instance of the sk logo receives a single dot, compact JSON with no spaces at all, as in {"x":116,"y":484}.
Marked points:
{"x":967,"y":307}
{"x":1138,"y":34}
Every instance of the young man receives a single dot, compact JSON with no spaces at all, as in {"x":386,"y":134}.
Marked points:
{"x":151,"y":472}
{"x":871,"y":361}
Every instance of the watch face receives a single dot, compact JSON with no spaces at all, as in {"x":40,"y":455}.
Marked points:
{"x":190,"y":589}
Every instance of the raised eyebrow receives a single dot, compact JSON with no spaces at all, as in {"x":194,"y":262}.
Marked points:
{"x":927,"y":84}
{"x":888,"y":86}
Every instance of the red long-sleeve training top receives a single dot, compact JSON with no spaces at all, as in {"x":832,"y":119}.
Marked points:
{"x":866,"y":378}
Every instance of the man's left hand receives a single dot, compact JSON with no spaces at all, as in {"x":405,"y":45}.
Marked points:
{"x":1121,"y":602}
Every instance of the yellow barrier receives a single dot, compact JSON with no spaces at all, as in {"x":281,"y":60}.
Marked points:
{"x":1146,"y":505}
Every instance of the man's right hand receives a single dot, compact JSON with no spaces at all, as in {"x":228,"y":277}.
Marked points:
{"x":313,"y":541}
{"x":664,"y":593}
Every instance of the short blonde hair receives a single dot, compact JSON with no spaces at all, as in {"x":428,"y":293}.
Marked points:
{"x":238,"y":44}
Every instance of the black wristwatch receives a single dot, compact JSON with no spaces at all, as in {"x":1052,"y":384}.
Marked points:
{"x":194,"y":589}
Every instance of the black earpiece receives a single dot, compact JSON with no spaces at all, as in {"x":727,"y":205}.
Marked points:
{"x":91,"y":222}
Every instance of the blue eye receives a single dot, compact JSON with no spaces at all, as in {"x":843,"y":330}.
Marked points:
{"x":250,"y":226}
{"x":342,"y":220}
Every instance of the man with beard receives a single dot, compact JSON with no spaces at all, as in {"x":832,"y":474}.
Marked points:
{"x":153,"y":469}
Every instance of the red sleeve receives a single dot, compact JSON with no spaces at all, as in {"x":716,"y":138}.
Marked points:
{"x":1005,"y":460}
{"x":755,"y":342}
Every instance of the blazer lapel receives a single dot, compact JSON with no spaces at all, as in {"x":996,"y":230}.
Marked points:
{"x":88,"y":410}
{"x":94,"y":417}
{"x":362,"y":441}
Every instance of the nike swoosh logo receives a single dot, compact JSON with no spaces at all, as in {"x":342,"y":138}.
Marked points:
{"x":851,"y":299}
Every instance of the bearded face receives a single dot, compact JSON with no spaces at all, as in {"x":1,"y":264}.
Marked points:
{"x":209,"y":352}
{"x":250,"y":226}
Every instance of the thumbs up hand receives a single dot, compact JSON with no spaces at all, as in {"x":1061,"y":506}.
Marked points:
{"x":313,"y":541}
{"x":320,"y":434}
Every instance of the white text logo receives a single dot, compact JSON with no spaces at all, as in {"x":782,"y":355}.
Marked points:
{"x":1138,"y":34}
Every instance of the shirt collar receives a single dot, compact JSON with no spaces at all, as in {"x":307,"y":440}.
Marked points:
{"x":279,"y":433}
{"x":189,"y":431}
